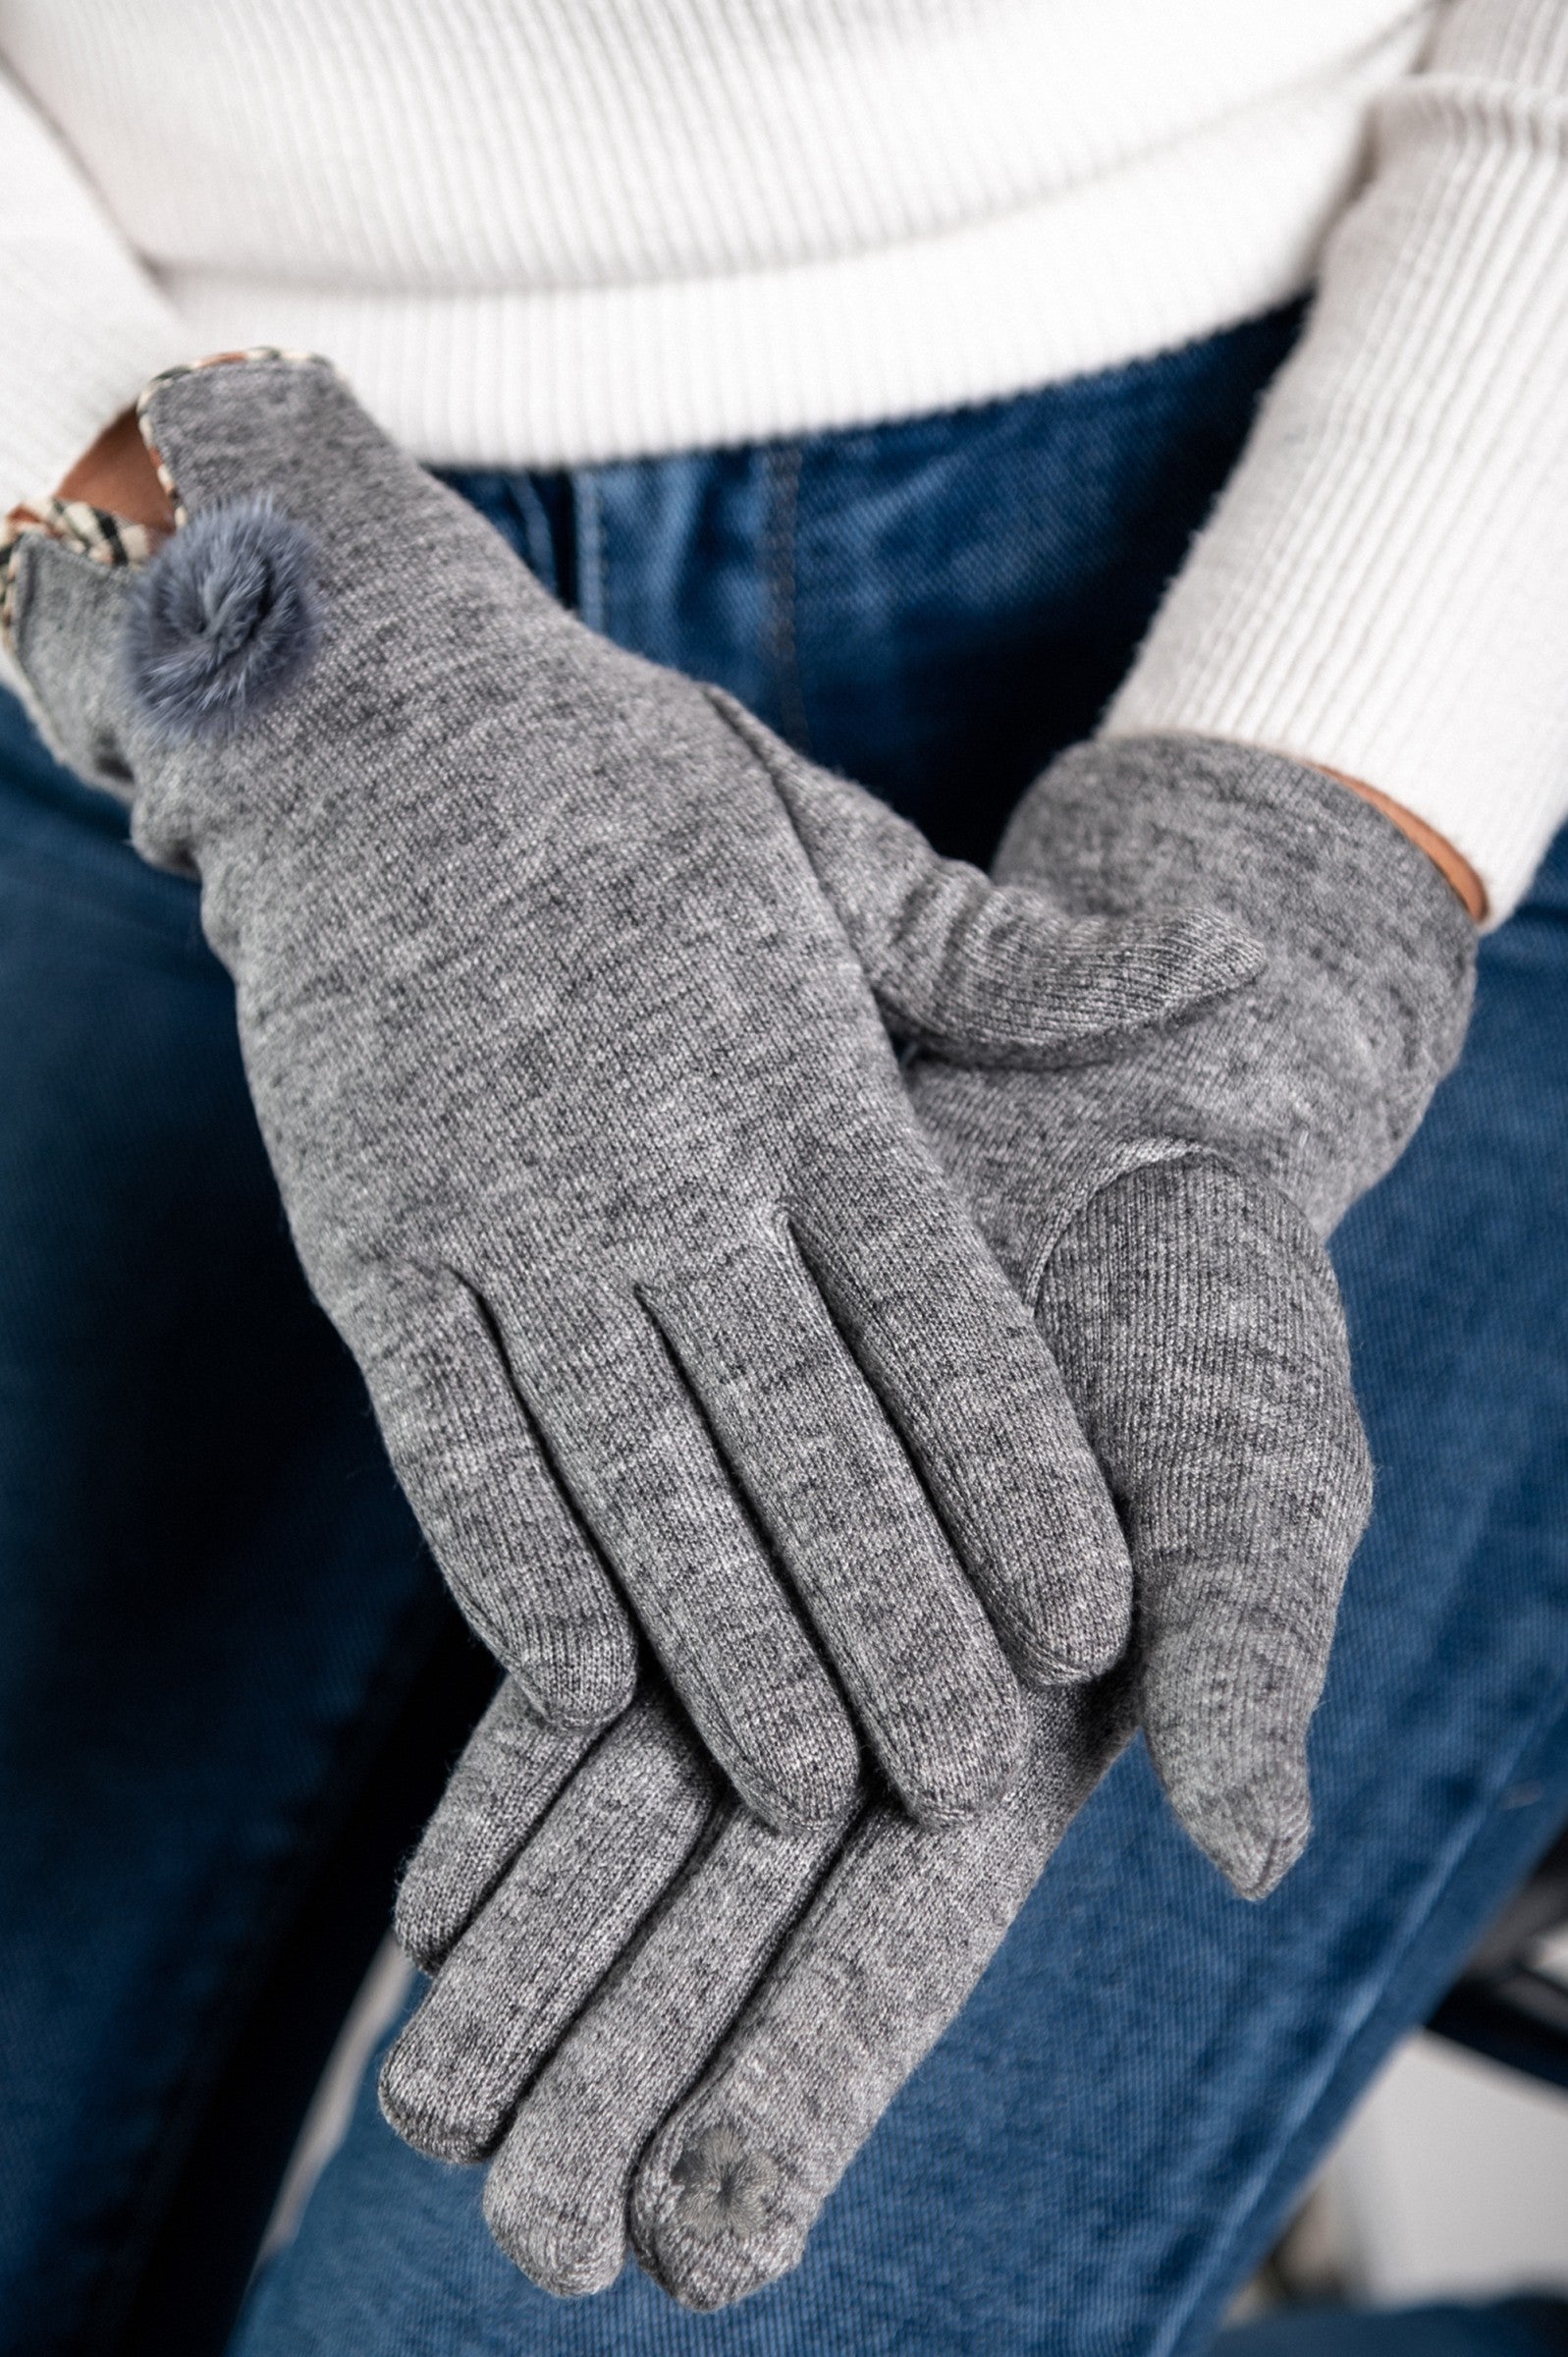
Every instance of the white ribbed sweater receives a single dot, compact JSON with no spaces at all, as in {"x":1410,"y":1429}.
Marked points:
{"x":539,"y":231}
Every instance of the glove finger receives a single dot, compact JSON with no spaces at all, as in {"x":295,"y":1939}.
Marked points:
{"x":514,"y":1555}
{"x":512,"y":1768}
{"x":633,"y":1442}
{"x":983,"y":972}
{"x":616,"y":1838}
{"x":853,"y":1529}
{"x":880,"y":1964}
{"x":958,"y":1365}
{"x":556,"y":2194}
{"x":1198,"y":1324}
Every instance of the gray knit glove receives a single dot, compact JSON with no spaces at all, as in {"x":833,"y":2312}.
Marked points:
{"x":597,"y":1916}
{"x":1145,"y":1209}
{"x":562,"y":995}
{"x":1164,"y":1217}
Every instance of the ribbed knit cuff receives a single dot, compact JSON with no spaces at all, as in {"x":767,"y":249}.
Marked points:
{"x":81,"y":325}
{"x":1384,"y":588}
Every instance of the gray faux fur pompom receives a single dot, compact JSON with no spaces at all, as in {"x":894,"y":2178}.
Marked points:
{"x":225,"y":618}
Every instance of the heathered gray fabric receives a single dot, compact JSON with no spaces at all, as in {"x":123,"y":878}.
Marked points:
{"x":1202,"y":1334}
{"x":562,"y":991}
{"x":511,"y":1770}
{"x":875,"y":1936}
{"x":730,"y":2188}
{"x":556,"y":1922}
{"x":713,"y":1891}
{"x":884,"y":1959}
{"x":1160,"y":1212}
{"x":1190,"y":1305}
{"x":556,"y":2193}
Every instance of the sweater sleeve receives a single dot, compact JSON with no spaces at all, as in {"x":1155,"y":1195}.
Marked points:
{"x":82,"y":326}
{"x":1382,"y":589}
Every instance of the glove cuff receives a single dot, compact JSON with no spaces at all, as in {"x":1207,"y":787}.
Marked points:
{"x":1372,"y":955}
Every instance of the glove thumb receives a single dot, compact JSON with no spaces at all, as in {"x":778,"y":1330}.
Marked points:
{"x":980,"y":972}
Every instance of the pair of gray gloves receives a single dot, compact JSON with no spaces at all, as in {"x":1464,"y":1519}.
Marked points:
{"x":843,"y":1456}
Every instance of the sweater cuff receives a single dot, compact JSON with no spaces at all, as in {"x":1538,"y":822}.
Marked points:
{"x":1382,"y":589}
{"x":82,"y":326}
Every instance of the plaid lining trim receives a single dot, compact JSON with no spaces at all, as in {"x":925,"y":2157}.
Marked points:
{"x":92,"y":531}
{"x":95,"y":532}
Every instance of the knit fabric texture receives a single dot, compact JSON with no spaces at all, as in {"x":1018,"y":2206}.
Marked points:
{"x":612,"y":1939}
{"x":1162,"y":1218}
{"x":563,"y":1001}
{"x":541,"y":236}
{"x":1162,"y":1214}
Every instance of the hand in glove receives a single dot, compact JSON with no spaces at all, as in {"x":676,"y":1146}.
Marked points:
{"x":1164,"y":1220}
{"x":597,"y":1915}
{"x":563,"y":999}
{"x":1162,"y":1214}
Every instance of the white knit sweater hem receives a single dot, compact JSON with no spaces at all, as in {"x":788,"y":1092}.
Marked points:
{"x":1130,"y":262}
{"x":541,"y":234}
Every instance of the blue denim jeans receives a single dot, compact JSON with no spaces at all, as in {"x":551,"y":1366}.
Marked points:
{"x":220,"y":1642}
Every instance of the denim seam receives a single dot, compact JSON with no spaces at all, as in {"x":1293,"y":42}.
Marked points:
{"x":781,"y":535}
{"x":593,"y":575}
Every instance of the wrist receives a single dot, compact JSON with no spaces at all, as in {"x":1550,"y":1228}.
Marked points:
{"x":111,"y":506}
{"x":117,"y":474}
